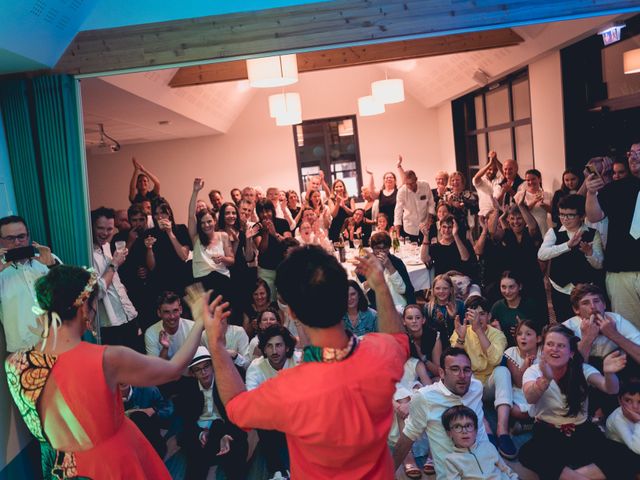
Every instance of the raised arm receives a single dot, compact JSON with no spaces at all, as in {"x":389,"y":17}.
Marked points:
{"x":134,"y":180}
{"x":372,"y":185}
{"x":198,"y":184}
{"x":154,"y":179}
{"x":388,"y":319}
{"x":401,"y":175}
{"x":529,"y":219}
{"x":593,"y":209}
{"x":462,"y":247}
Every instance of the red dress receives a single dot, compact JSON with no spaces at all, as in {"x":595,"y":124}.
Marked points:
{"x":88,"y":431}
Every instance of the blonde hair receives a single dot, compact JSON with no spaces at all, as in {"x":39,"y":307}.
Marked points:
{"x":451,"y":302}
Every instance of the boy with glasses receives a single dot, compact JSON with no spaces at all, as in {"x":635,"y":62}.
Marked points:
{"x":471,"y":460}
{"x":575,"y":254}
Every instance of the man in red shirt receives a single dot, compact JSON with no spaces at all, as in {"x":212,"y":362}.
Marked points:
{"x":336,"y":407}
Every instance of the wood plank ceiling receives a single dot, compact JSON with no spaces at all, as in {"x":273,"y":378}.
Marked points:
{"x":360,"y":55}
{"x":317,"y":26}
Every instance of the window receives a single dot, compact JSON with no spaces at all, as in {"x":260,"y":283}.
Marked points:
{"x":330,"y":145}
{"x":496,"y":117}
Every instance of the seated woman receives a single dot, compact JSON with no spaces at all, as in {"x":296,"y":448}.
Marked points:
{"x":525,"y":353}
{"x":212,"y":251}
{"x":565,"y":444}
{"x":395,"y":273}
{"x":170,"y":245}
{"x":485,"y":346}
{"x":359,"y":319}
{"x":382,"y":223}
{"x":307,"y":236}
{"x":67,"y":389}
{"x":260,"y":300}
{"x":514,"y":306}
{"x":442,"y":307}
{"x":442,"y":211}
{"x":266,"y":318}
{"x":356,"y":229}
{"x":450,"y":252}
{"x":424,"y":339}
{"x":340,"y":207}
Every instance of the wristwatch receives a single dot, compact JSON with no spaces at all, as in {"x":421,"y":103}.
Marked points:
{"x":114,"y":266}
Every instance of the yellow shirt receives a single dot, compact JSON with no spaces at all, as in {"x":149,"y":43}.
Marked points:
{"x":483,"y":363}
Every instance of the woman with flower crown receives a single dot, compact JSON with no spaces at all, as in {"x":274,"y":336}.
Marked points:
{"x":67,"y":389}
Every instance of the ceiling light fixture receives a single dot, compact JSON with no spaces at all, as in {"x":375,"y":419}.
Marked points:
{"x":390,"y":90}
{"x":368,"y":106}
{"x":112,"y":144}
{"x":631,"y":61}
{"x":281,"y":103}
{"x":268,"y":72}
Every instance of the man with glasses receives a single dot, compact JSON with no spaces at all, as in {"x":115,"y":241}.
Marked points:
{"x":18,"y":274}
{"x":619,"y":201}
{"x":456,"y":387}
{"x":208,"y":437}
{"x":575,"y":254}
{"x":395,"y":273}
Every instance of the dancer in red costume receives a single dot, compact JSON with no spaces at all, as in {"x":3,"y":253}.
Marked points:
{"x":336,"y":407}
{"x":67,"y":389}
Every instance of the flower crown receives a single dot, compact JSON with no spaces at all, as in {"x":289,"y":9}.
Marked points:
{"x":86,"y":291}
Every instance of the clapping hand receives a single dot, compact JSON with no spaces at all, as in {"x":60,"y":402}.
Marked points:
{"x":163,"y":339}
{"x":460,"y":327}
{"x":614,"y":362}
{"x":370,"y":266}
{"x":575,"y":240}
{"x":606,"y":325}
{"x":586,"y":248}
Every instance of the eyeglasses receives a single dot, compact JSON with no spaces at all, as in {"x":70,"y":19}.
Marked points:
{"x":378,"y":246}
{"x":568,"y":216}
{"x":12,"y":238}
{"x":467,"y":427}
{"x":457,"y":370}
{"x":203,"y":368}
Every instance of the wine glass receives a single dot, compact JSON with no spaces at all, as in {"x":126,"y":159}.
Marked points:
{"x":357,"y":241}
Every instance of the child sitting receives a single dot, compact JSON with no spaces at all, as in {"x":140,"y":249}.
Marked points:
{"x":623,"y":425}
{"x":471,"y":460}
{"x":519,"y":358}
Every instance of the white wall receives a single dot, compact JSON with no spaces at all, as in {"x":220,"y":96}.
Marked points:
{"x":547,"y":116}
{"x":257,"y":152}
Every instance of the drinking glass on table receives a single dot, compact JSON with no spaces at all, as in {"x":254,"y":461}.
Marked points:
{"x":357,"y":241}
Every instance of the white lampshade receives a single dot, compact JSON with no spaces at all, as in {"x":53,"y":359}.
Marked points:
{"x":388,"y":91}
{"x":269,"y":72}
{"x":289,"y":118}
{"x":282,"y":103}
{"x":631,"y":60}
{"x":369,"y":106}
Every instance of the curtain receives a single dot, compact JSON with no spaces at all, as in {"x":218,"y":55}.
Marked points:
{"x":42,"y":119}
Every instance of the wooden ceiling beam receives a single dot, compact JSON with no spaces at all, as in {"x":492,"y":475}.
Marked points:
{"x":315,"y":26}
{"x":351,"y":56}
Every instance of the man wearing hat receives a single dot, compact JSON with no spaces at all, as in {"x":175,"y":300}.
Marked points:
{"x":208,"y":437}
{"x":336,"y":407}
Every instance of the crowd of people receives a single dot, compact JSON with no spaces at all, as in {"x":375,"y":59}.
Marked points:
{"x":533,"y":311}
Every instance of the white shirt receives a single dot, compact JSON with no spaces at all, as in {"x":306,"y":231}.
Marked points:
{"x":413,"y":208}
{"x":549,"y":250}
{"x":539,"y":213}
{"x":425,"y":413}
{"x":552,"y":406}
{"x":396,"y":288}
{"x":17,"y":296}
{"x":485,"y":189}
{"x":152,"y":336}
{"x":114,"y":306}
{"x":602,"y":346}
{"x":203,"y":263}
{"x":237,"y":339}
{"x":623,"y":430}
{"x":261,"y":370}
{"x":209,"y":410}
